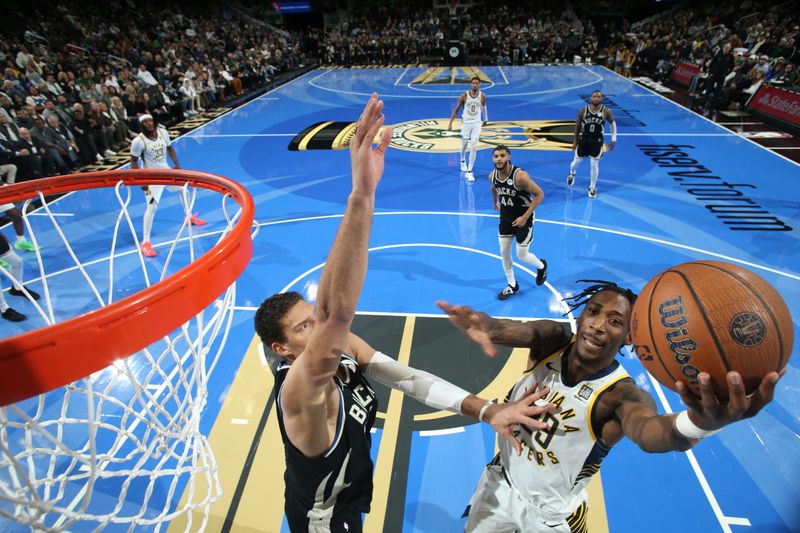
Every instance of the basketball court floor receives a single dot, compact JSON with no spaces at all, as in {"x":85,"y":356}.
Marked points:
{"x":676,"y":188}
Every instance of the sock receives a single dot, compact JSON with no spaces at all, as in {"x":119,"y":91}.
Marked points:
{"x":508,"y":266}
{"x":524,"y":254}
{"x":595,"y":170}
{"x":20,"y":238}
{"x":14,"y":267}
{"x":576,"y":162}
{"x":473,"y":152}
{"x":149,"y":215}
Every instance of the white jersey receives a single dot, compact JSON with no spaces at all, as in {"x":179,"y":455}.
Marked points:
{"x":153,"y":153}
{"x":556,"y":464}
{"x":472,"y":108}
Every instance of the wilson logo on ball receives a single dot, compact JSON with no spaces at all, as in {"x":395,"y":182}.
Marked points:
{"x":673,"y":317}
{"x":747,"y":329}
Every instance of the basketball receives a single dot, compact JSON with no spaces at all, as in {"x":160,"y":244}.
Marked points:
{"x":714,"y":317}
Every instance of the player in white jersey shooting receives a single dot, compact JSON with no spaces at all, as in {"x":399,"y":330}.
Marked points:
{"x":152,"y":147}
{"x":473,"y":101}
{"x":596,"y":405}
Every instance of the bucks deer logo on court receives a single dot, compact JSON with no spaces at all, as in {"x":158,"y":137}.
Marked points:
{"x":432,"y":135}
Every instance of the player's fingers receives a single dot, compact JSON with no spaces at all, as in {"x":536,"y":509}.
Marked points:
{"x":363,"y":120}
{"x":707,"y":398}
{"x":374,"y":125}
{"x":531,"y":422}
{"x":385,"y":139}
{"x":764,"y":393}
{"x":689,"y":399}
{"x":489,"y":348}
{"x":512,"y":440}
{"x":737,"y":402}
{"x":444,"y":306}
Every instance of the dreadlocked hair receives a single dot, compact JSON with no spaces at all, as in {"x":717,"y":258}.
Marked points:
{"x":598,"y":285}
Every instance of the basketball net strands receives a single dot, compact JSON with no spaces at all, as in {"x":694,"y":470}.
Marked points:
{"x":101,"y":407}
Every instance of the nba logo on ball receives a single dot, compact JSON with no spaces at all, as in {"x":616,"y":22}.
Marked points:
{"x":713,"y":317}
{"x":747,"y":329}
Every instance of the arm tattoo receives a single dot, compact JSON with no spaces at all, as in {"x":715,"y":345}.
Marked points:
{"x":510,"y":332}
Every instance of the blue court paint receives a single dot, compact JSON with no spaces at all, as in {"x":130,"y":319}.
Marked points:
{"x":653,"y":211}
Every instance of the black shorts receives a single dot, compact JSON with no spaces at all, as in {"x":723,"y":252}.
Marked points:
{"x":349,"y":522}
{"x":590,"y":148}
{"x":524,"y":235}
{"x":5,"y":247}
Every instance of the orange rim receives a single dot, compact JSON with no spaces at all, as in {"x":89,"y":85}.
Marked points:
{"x":47,"y":358}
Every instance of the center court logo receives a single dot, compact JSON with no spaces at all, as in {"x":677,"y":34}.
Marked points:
{"x":431,"y":135}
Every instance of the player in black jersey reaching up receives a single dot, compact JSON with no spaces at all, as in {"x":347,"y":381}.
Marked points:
{"x":516,"y":196}
{"x":589,"y":139}
{"x":325,"y":404}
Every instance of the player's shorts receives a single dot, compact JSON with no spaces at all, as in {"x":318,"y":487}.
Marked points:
{"x":471,"y":131}
{"x":590,"y":149}
{"x":339,"y":523}
{"x":5,"y":246}
{"x":496,"y":507}
{"x":154,"y":192}
{"x":524,"y":235}
{"x":6,"y":207}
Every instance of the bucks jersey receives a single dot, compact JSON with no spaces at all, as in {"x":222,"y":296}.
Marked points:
{"x":592,"y":124}
{"x":472,"y":108}
{"x":323,"y":493}
{"x":556,"y":464}
{"x":513,"y":200}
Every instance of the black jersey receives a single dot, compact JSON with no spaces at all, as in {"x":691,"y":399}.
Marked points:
{"x":592,"y":124}
{"x":323,"y":491}
{"x":513,"y":200}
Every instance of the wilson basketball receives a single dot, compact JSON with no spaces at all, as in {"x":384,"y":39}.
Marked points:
{"x":714,"y":317}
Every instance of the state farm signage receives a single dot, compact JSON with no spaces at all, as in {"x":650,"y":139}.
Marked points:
{"x":776,"y":102}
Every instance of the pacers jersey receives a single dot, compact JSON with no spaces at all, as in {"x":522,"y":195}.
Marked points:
{"x":556,"y":464}
{"x":153,"y":153}
{"x":472,"y":108}
{"x":592,"y":124}
{"x":513,"y":200}
{"x":339,"y":482}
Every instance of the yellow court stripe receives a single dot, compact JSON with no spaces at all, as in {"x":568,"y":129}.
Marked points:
{"x":261,"y":507}
{"x":383,"y":466}
{"x":311,"y":134}
{"x":245,"y":400}
{"x":596,"y":520}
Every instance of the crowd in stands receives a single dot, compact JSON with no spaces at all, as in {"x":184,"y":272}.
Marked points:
{"x":737,"y":46}
{"x":73,"y":86}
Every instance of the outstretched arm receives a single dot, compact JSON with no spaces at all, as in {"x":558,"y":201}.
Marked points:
{"x":303,"y":396}
{"x":438,"y":393}
{"x":487,"y":331}
{"x":678,"y":432}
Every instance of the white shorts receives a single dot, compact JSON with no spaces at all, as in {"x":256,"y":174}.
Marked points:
{"x":471,"y":131}
{"x":6,"y":207}
{"x":497,"y":508}
{"x":155,"y":191}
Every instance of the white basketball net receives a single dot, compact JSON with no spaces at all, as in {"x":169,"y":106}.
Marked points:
{"x":122,"y":446}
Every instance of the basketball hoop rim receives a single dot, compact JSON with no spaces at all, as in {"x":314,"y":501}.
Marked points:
{"x":41,"y":360}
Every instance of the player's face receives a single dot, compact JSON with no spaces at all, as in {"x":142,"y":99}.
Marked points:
{"x":474,"y":85}
{"x":603,"y":327}
{"x":297,"y":324}
{"x":597,"y":97}
{"x":500,"y":159}
{"x":148,"y":126}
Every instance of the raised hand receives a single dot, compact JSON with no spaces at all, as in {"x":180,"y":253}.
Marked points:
{"x":708,"y":413}
{"x":504,"y":417}
{"x":368,"y":163}
{"x":474,"y":325}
